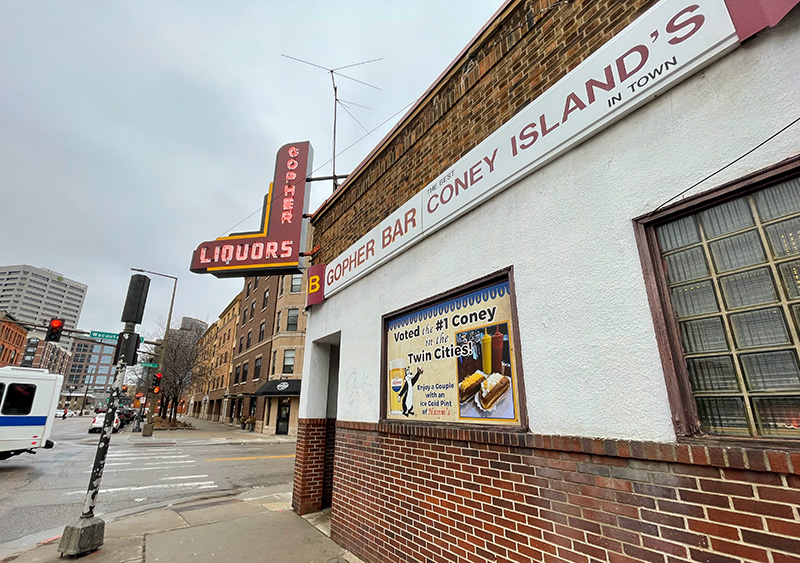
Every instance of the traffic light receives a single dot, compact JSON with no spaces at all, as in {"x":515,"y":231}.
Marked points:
{"x":54,"y":330}
{"x":156,"y":384}
{"x":124,"y":388}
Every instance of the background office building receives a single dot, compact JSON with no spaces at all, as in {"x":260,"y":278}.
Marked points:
{"x":92,"y":369}
{"x":36,"y":295}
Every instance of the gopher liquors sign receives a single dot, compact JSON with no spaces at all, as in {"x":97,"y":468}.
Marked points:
{"x":663,"y":47}
{"x":276,"y":247}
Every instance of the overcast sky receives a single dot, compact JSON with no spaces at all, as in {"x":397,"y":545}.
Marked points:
{"x":132,"y":131}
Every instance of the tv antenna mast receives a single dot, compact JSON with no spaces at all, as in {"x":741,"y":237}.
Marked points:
{"x":334,"y":72}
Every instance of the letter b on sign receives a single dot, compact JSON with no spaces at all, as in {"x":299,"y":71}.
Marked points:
{"x":316,"y":285}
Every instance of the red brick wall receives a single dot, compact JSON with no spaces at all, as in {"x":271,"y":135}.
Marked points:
{"x":426,"y":494}
{"x":309,"y":465}
{"x":327,"y":474}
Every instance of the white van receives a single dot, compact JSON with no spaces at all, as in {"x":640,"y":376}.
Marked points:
{"x":28,"y":399}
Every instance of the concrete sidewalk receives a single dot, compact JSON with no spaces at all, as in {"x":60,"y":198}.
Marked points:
{"x":203,"y":432}
{"x":258,"y":525}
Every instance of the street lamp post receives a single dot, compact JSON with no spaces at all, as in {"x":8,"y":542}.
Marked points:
{"x":147,"y":429}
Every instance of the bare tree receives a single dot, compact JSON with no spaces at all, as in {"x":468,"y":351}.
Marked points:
{"x":185,"y":363}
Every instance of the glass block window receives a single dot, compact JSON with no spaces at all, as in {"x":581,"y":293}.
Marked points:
{"x":733,"y":273}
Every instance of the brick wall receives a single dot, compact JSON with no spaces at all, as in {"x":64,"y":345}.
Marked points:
{"x":327,"y":474}
{"x":427,"y":494}
{"x":309,"y":465}
{"x":531,"y":46}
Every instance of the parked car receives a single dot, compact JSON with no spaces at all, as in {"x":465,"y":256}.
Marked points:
{"x":60,"y":413}
{"x":97,"y":423}
{"x":128,"y":414}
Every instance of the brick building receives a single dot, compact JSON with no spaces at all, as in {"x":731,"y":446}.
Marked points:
{"x":562,"y":316}
{"x":12,"y":340}
{"x":207,"y":398}
{"x":268,"y":347}
{"x":281,"y":390}
{"x":46,"y":355}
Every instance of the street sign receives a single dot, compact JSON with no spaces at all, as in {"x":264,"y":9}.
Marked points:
{"x":148,"y":365}
{"x":109,"y":336}
{"x":103,"y":335}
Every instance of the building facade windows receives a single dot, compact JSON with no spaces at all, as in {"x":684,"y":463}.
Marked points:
{"x":236,"y":374}
{"x":728,"y":275}
{"x":297,"y":283}
{"x":249,"y":338}
{"x":265,"y":300}
{"x":288,"y":361}
{"x":257,"y":369}
{"x":261,"y":330}
{"x":291,"y":319}
{"x":244,"y":372}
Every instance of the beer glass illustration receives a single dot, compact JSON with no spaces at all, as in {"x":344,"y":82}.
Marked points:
{"x":396,"y":375}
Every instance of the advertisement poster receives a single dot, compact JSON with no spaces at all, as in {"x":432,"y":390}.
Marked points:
{"x":454,"y":361}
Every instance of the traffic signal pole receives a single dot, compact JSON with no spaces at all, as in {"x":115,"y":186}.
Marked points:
{"x":88,"y":533}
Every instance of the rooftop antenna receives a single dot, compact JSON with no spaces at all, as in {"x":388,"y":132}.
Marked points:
{"x":336,"y":103}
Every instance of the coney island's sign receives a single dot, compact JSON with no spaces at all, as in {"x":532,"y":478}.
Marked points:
{"x":666,"y":45}
{"x":277,"y":247}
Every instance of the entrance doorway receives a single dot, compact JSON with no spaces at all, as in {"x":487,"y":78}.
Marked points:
{"x":284,"y":411}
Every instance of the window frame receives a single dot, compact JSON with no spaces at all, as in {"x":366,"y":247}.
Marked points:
{"x":294,"y":361}
{"x":680,"y":395}
{"x":299,"y":279}
{"x":293,"y":312}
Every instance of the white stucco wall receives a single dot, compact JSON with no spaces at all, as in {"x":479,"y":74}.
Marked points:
{"x":589,"y":355}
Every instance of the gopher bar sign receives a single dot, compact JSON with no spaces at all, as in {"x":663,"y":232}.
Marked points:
{"x":277,"y":247}
{"x":454,"y":360}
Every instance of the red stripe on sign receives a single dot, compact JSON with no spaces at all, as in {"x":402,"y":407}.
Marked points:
{"x":751,"y":16}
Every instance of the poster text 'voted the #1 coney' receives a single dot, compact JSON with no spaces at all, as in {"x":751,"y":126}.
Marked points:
{"x":453,"y":361}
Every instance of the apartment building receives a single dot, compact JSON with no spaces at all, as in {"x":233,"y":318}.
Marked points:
{"x":47,"y":355}
{"x":12,"y":340}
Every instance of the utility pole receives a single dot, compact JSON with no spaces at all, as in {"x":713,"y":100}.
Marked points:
{"x":88,"y":533}
{"x":147,"y":429}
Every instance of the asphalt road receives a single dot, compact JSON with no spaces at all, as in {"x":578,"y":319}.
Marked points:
{"x":47,"y":490}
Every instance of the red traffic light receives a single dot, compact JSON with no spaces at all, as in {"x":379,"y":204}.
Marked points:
{"x":54,"y":330}
{"x":156,"y":382}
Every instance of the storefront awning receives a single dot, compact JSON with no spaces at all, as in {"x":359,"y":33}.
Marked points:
{"x":280,"y":388}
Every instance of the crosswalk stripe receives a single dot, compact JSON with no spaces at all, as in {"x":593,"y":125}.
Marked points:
{"x":183,"y":477}
{"x":199,"y":484}
{"x":139,"y":468}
